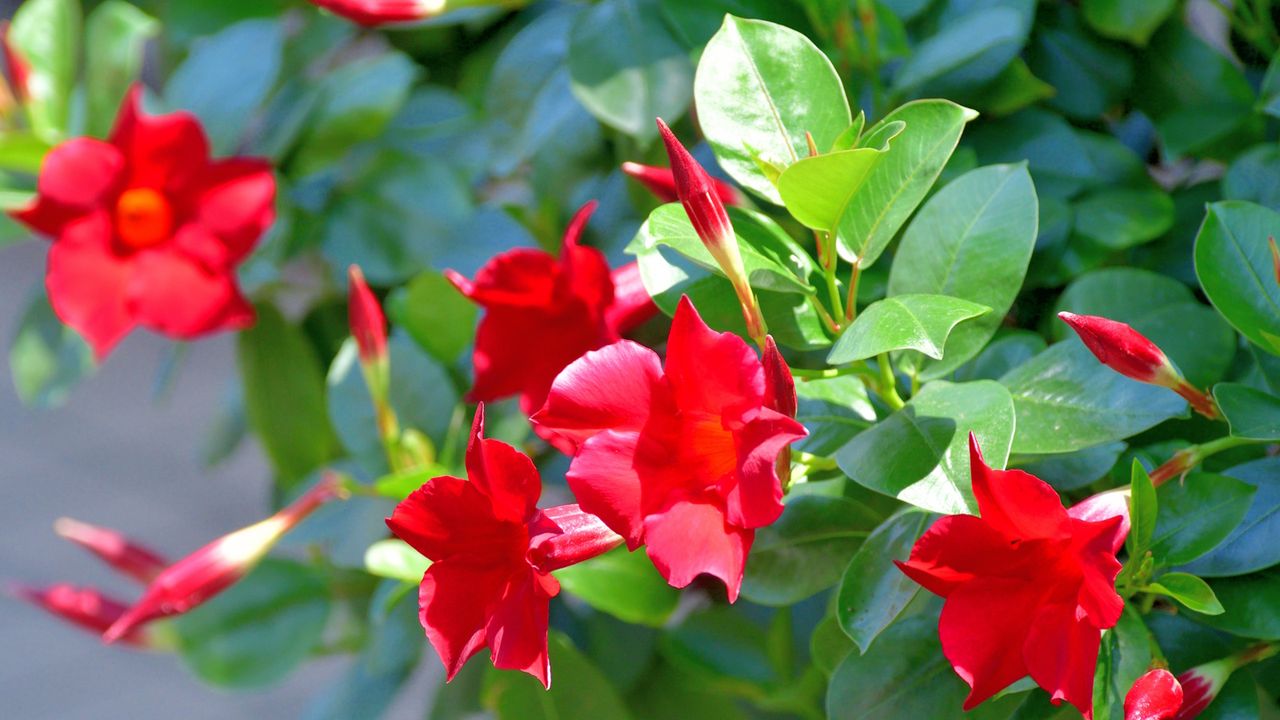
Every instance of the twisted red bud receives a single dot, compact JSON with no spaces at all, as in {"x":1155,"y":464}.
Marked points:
{"x":83,"y":607}
{"x":566,"y":535}
{"x":364,"y":313}
{"x":374,"y":13}
{"x":124,"y":555}
{"x":662,"y":183}
{"x":1156,"y":695}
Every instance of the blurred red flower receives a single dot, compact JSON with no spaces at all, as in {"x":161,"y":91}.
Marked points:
{"x":372,"y":13}
{"x":147,"y":230}
{"x":83,"y":607}
{"x":661,"y":182}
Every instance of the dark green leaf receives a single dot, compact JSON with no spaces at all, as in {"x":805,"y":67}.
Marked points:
{"x":623,"y":584}
{"x":904,"y":675}
{"x":721,"y":646}
{"x":1233,"y":262}
{"x":1073,"y":470}
{"x":833,"y":410}
{"x":1255,"y":543}
{"x":1120,"y":218}
{"x":1251,"y":605}
{"x":805,"y":549}
{"x":578,"y":690}
{"x":433,"y":312}
{"x":47,"y":358}
{"x":1255,"y":176}
{"x":828,"y":645}
{"x":1002,"y":355}
{"x":1189,"y":590}
{"x":114,"y":38}
{"x":1252,"y":414}
{"x":1125,"y":654}
{"x":1196,"y":514}
{"x":357,"y":102}
{"x":874,"y":591}
{"x":1090,"y":76}
{"x":1131,"y":20}
{"x":966,"y":52}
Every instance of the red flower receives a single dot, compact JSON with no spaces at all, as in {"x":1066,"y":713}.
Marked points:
{"x":492,"y":553}
{"x":122,"y":554}
{"x":566,"y":306}
{"x":217,"y":566}
{"x":1154,"y":696}
{"x":147,"y":229}
{"x":680,"y":458}
{"x":83,"y":607}
{"x":372,"y":13}
{"x":1201,"y":685}
{"x":364,"y":314}
{"x":1029,"y":587}
{"x":662,"y":183}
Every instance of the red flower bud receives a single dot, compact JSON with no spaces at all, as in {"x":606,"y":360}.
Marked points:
{"x":1201,"y":684}
{"x":83,"y":607}
{"x":372,"y":13}
{"x":662,"y":183}
{"x":128,"y":557}
{"x":217,"y":566}
{"x":1157,"y":695}
{"x":364,"y":313}
{"x":19,"y":69}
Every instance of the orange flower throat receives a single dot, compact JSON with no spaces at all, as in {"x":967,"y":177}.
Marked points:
{"x":143,"y":218}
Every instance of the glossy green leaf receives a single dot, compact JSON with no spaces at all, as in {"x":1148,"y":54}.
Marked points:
{"x":1189,"y":590}
{"x":721,"y":647}
{"x":279,"y":369}
{"x":1233,"y":263}
{"x":1255,"y":543}
{"x":920,"y":454}
{"x":903,"y":176}
{"x":46,"y":34}
{"x":904,"y":675}
{"x":833,"y":410}
{"x":829,"y":646}
{"x":1014,"y":88}
{"x":433,"y":312}
{"x":258,"y":630}
{"x":226,"y":78}
{"x":1067,"y":400}
{"x":1255,"y":176}
{"x":47,"y":359}
{"x":1252,"y":414}
{"x":1120,"y":218}
{"x":1072,"y":470}
{"x":623,"y":584}
{"x":115,"y":36}
{"x":1001,"y":355}
{"x":966,"y":52}
{"x":819,"y":190}
{"x":1130,"y":20}
{"x":982,"y":225}
{"x":806,"y":549}
{"x":626,"y":67}
{"x":1196,"y":514}
{"x":759,"y":88}
{"x":1090,"y":76}
{"x":903,"y":322}
{"x":1123,"y":656}
{"x":1143,"y":512}
{"x":394,"y":559}
{"x":579,"y":690}
{"x":873,"y":591}
{"x":1251,"y":605}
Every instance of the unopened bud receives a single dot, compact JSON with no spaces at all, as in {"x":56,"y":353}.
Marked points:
{"x":662,"y":183}
{"x":124,"y":555}
{"x":1156,"y":695}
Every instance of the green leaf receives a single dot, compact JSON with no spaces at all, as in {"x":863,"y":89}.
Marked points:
{"x":226,"y":78}
{"x":1143,"y":509}
{"x":1066,"y":400}
{"x":46,"y":33}
{"x":1130,"y":20}
{"x":805,"y":550}
{"x":1014,"y":88}
{"x":903,"y":676}
{"x":903,"y":176}
{"x":1124,"y":655}
{"x":1255,"y":543}
{"x":285,"y":396}
{"x":394,"y":559}
{"x":1233,"y":263}
{"x":1251,"y":605}
{"x":920,"y":454}
{"x":22,"y":152}
{"x":1090,"y":76}
{"x":1120,"y":218}
{"x":1255,"y":176}
{"x":579,"y":690}
{"x":258,"y":630}
{"x":626,"y":67}
{"x":1197,"y":514}
{"x":873,"y":591}
{"x":1073,"y":470}
{"x":818,"y":190}
{"x":982,"y":225}
{"x":1252,"y":414}
{"x":47,"y":358}
{"x":759,"y":88}
{"x":903,"y":322}
{"x":833,"y":410}
{"x":1189,"y":590}
{"x":623,"y":584}
{"x":724,"y":648}
{"x":828,"y":645}
{"x":967,"y":52}
{"x":433,"y":312}
{"x":115,"y":36}
{"x":1002,"y":355}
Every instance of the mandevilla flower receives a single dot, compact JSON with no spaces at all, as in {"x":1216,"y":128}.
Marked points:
{"x":1154,"y":696}
{"x":122,"y":554}
{"x":680,"y":458}
{"x":83,"y":607}
{"x":1131,"y":354}
{"x":492,"y":552}
{"x":1202,"y":683}
{"x":1029,"y":587}
{"x":217,"y":566}
{"x":662,"y":183}
{"x":710,"y":220}
{"x":147,"y":230}
{"x":372,"y":13}
{"x":567,"y":306}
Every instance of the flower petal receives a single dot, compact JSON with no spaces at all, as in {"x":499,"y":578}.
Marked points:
{"x":174,"y":294}
{"x":523,"y":277}
{"x":166,"y":152}
{"x":451,"y":519}
{"x":1061,"y":653}
{"x":711,"y":371}
{"x":1104,"y":506}
{"x":755,"y":499}
{"x":617,"y":387}
{"x":983,"y":628}
{"x":692,"y":538}
{"x":236,"y":203}
{"x":631,"y":304}
{"x":88,"y":283}
{"x":1014,"y":502}
{"x":955,"y":550}
{"x":504,"y":474}
{"x":584,"y":271}
{"x":76,"y":177}
{"x":606,"y":482}
{"x":517,"y":627}
{"x":1098,"y":563}
{"x":454,"y":602}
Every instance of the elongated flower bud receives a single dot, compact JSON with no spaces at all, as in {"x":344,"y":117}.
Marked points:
{"x":83,"y":607}
{"x":124,"y":555}
{"x":213,"y":568}
{"x":368,"y":324}
{"x":710,"y":220}
{"x":374,"y":13}
{"x":1130,"y":353}
{"x":566,"y":535}
{"x":1201,"y":684}
{"x":1156,"y":695}
{"x":662,"y":183}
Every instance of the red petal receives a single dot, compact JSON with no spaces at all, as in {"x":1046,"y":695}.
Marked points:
{"x":449,"y":518}
{"x":755,"y":500}
{"x":631,"y":305}
{"x":606,"y":482}
{"x":1061,"y":653}
{"x":1098,"y":598}
{"x":692,"y":538}
{"x":584,"y":271}
{"x":236,"y":202}
{"x":711,"y":371}
{"x":983,"y":629}
{"x":780,"y":387}
{"x":616,"y":387}
{"x":955,"y":550}
{"x":523,"y":277}
{"x":454,"y":602}
{"x":1102,"y":507}
{"x":172,"y":293}
{"x":505,"y":365}
{"x":504,"y":474}
{"x":76,"y":177}
{"x":1156,"y":695}
{"x":167,"y":152}
{"x":1016,"y":503}
{"x":88,"y":283}
{"x":517,"y":627}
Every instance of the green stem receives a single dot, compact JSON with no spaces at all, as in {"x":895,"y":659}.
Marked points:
{"x":810,"y":374}
{"x":851,"y":304}
{"x":827,"y":320}
{"x":889,"y":384}
{"x":815,"y":462}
